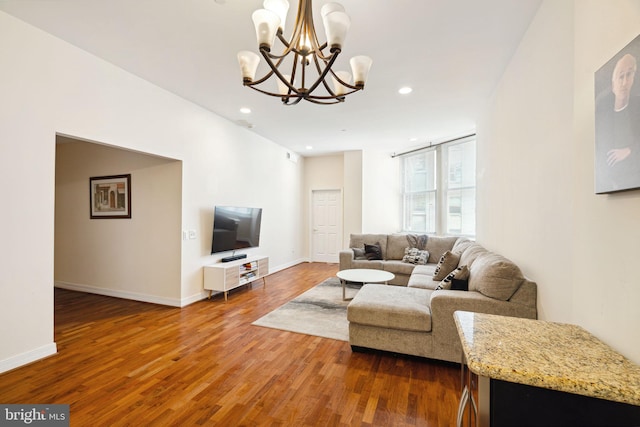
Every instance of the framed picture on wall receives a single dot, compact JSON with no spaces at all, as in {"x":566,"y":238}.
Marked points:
{"x":617,"y":122}
{"x":110,"y":196}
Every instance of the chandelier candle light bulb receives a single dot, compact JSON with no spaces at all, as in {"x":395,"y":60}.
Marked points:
{"x":280,"y":8}
{"x":305,"y":47}
{"x":248,"y":64}
{"x":339,"y":88}
{"x":360,"y":66}
{"x":336,"y":25}
{"x":266,"y":23}
{"x":331,"y":7}
{"x":283,"y":89}
{"x":312,"y":61}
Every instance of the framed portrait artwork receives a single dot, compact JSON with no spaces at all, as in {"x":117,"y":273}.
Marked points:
{"x":617,"y":122}
{"x":110,"y":196}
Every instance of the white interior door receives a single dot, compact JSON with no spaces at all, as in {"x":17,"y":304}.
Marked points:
{"x":326,"y":241}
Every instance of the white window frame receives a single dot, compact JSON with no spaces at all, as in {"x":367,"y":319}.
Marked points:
{"x":442,"y":191}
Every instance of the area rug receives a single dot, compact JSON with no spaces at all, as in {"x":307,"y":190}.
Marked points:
{"x":320,"y":311}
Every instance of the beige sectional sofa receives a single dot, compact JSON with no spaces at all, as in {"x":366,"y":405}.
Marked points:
{"x":417,"y":319}
{"x":393,"y":250}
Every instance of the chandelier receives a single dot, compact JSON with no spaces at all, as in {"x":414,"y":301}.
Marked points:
{"x":308,"y":63}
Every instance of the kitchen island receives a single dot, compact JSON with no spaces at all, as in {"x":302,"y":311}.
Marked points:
{"x":537,"y":373}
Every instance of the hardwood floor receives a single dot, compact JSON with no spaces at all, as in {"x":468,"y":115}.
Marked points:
{"x":123,"y":362}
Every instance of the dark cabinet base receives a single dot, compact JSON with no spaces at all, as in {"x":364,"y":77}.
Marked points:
{"x":524,"y":406}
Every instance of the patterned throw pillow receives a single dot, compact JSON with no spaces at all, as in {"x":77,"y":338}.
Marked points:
{"x":415,"y":256}
{"x":448,"y":262}
{"x":460,"y":273}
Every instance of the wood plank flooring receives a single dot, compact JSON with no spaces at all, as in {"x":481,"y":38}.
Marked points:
{"x":127,"y":363}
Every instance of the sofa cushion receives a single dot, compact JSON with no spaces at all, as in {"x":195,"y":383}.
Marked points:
{"x":391,"y":307}
{"x":398,"y":267}
{"x":462,"y":244}
{"x":494,"y":276}
{"x":359,"y":263}
{"x":437,"y":245}
{"x":447,"y":263}
{"x":422,"y":277}
{"x":460,"y":273}
{"x":470,"y":253}
{"x":422,"y":281}
{"x":373,"y":252}
{"x":427,"y":269}
{"x":396,"y":244}
{"x":415,"y":256}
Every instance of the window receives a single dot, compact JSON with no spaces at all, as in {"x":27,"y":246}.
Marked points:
{"x":439,"y":191}
{"x":460,"y":188}
{"x":420,"y":192}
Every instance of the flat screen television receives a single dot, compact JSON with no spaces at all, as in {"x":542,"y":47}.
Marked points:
{"x":235,"y":227}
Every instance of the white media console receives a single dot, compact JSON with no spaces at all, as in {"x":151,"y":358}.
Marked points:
{"x":224,"y":276}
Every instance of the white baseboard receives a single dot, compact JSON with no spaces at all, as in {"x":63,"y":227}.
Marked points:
{"x":155,"y":299}
{"x":287,"y":265}
{"x":28,"y":357}
{"x":205,"y":294}
{"x":194,"y":298}
{"x":173,"y":302}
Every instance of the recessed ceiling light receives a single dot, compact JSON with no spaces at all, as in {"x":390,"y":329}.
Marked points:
{"x":405,"y":90}
{"x":413,"y":139}
{"x":245,"y":110}
{"x":308,"y":147}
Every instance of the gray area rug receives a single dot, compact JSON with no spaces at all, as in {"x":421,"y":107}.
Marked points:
{"x":320,"y":311}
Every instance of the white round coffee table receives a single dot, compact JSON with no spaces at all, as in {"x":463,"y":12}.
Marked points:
{"x":363,"y":275}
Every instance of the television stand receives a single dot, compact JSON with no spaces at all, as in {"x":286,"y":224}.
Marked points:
{"x":223,"y":277}
{"x":233,"y":257}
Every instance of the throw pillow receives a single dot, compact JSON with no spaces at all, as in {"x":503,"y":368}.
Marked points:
{"x":495,"y":276}
{"x":460,"y":273}
{"x":358,"y":253}
{"x":373,"y":252}
{"x":417,"y":241}
{"x":415,"y":256}
{"x":448,"y":262}
{"x":459,"y":285}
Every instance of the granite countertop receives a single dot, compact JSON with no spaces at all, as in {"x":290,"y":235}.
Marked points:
{"x":545,"y":354}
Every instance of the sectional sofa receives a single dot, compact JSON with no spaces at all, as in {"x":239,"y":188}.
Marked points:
{"x":393,"y":248}
{"x":416,"y":317}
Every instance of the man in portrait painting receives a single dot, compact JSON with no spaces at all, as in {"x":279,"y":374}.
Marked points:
{"x":618,"y":131}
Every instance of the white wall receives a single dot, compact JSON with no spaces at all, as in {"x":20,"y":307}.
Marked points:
{"x":353,"y":166}
{"x":50,"y":87}
{"x":381,"y":193}
{"x":324,"y":173}
{"x":536,"y":201}
{"x":606,"y":290}
{"x":320,"y":173}
{"x":524,"y":152}
{"x":137,"y":258}
{"x":370,"y":181}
